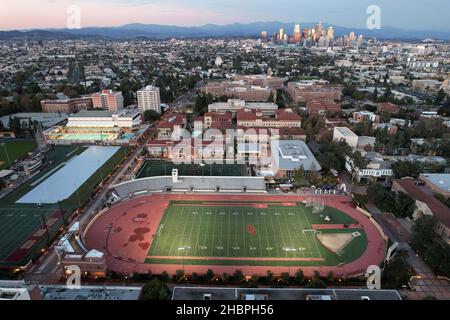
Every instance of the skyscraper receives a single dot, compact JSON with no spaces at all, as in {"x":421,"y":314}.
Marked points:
{"x":281,"y":34}
{"x":264,"y":36}
{"x":149,"y":99}
{"x":297,"y":33}
{"x":330,"y":33}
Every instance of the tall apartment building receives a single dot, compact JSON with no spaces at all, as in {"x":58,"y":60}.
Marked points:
{"x":149,"y":99}
{"x":66,"y":105}
{"x":108,"y":99}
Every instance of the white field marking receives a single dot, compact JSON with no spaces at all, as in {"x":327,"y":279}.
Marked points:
{"x":273,"y":232}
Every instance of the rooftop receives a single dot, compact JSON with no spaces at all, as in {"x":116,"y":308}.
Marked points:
{"x":441,"y":181}
{"x":197,"y":293}
{"x":346,"y":132}
{"x":293,"y":154}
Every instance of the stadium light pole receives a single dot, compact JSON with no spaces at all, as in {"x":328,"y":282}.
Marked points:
{"x":101,"y":171}
{"x":78,"y":195}
{"x":62,"y":214}
{"x":6,"y":152}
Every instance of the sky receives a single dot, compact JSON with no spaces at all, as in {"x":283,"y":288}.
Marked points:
{"x":404,"y":14}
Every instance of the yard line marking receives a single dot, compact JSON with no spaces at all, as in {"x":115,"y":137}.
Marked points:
{"x":200,"y":225}
{"x":289,"y":232}
{"x":274,"y":233}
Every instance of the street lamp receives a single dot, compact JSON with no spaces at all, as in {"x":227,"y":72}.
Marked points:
{"x":290,"y":256}
{"x":183,"y":249}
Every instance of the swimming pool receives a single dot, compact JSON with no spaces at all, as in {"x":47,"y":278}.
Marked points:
{"x":87,"y":136}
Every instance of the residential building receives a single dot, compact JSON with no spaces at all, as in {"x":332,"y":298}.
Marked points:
{"x":149,"y":99}
{"x":108,"y":100}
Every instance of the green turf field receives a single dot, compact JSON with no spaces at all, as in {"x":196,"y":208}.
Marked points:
{"x":163,"y":168}
{"x":19,"y":221}
{"x":249,"y":232}
{"x":16,"y":149}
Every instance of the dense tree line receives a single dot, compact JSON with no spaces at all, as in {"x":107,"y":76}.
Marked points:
{"x":398,"y":203}
{"x":430,"y":245}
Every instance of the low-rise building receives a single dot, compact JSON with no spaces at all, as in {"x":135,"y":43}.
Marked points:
{"x":233,"y":106}
{"x":307,"y":90}
{"x":438,"y":182}
{"x":374,"y":168}
{"x":284,"y":118}
{"x":388,"y":107}
{"x":347,"y":135}
{"x":427,"y":204}
{"x":66,"y":105}
{"x":290,"y":155}
{"x":322,"y":107}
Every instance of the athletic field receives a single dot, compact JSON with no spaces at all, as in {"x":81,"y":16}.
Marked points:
{"x":15,"y":149}
{"x":25,"y":228}
{"x":255,"y":234}
{"x":163,"y":168}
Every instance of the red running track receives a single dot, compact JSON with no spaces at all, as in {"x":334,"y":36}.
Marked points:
{"x":126,"y":241}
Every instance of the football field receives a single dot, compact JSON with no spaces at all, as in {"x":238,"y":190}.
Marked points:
{"x":267,"y":234}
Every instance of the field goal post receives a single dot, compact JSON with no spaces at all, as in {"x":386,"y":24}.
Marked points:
{"x":318,"y":206}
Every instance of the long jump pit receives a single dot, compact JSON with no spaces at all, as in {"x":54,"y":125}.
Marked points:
{"x":225,"y":233}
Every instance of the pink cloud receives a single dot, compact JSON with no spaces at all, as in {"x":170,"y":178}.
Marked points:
{"x":52,"y":14}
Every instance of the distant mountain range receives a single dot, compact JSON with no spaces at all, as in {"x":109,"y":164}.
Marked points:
{"x":153,"y":31}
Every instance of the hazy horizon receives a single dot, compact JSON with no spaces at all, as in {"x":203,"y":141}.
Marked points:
{"x":52,"y":14}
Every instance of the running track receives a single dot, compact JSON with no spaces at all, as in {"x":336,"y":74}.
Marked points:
{"x":111,"y":232}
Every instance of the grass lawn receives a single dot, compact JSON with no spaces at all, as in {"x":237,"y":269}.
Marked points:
{"x":16,"y":150}
{"x":214,"y":231}
{"x":164,"y":168}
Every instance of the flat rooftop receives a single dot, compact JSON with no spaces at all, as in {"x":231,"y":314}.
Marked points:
{"x":346,"y":132}
{"x":196,"y":293}
{"x":293,"y":154}
{"x":90,"y":293}
{"x":125,"y":113}
{"x":441,"y":181}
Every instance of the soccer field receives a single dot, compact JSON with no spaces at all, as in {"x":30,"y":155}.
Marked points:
{"x":250,"y":235}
